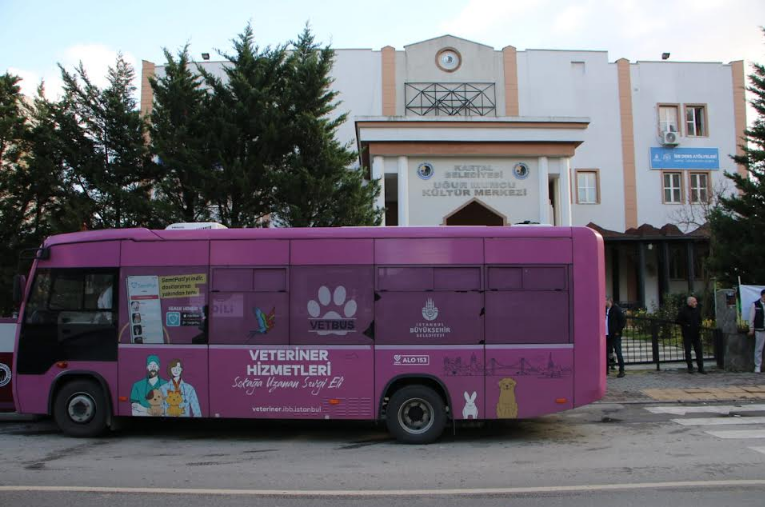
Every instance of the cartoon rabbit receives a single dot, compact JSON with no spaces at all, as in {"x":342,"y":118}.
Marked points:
{"x":470,"y":408}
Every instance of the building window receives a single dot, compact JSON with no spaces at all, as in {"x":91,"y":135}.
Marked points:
{"x":587,"y":183}
{"x":695,"y":121}
{"x":699,"y":188}
{"x":673,"y":187}
{"x":678,"y":262}
{"x":668,"y":116}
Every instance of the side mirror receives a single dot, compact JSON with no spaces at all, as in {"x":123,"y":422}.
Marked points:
{"x":19,"y":285}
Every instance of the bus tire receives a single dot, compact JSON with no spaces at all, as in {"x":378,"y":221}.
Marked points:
{"x":79,"y":409}
{"x":416,"y":415}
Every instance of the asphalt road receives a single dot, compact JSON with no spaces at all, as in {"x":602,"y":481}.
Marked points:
{"x":571,"y":459}
{"x":752,"y":497}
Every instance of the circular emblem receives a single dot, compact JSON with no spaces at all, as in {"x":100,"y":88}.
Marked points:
{"x":5,"y":375}
{"x":448,"y":59}
{"x":425,"y":170}
{"x":521,"y":171}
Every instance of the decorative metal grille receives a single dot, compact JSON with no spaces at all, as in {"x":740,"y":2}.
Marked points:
{"x":450,"y":99}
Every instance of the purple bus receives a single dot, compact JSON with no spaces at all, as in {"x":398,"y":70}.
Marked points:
{"x":418,"y":327}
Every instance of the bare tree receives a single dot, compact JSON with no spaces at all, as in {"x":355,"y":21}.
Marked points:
{"x":693,"y":215}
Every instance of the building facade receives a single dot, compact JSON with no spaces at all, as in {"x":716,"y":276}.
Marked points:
{"x":459,"y":133}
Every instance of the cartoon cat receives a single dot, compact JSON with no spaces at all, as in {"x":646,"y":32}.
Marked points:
{"x":154,"y":397}
{"x":507,"y":406}
{"x":174,"y":399}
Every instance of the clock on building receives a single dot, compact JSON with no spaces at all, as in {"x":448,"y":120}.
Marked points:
{"x":448,"y":59}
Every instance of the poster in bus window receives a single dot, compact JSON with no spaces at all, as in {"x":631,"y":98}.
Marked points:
{"x":145,"y":309}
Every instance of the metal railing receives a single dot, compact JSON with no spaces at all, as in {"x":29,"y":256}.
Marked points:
{"x":655,"y":341}
{"x":450,"y":99}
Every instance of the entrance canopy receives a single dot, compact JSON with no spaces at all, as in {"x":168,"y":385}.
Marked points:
{"x":514,"y":166}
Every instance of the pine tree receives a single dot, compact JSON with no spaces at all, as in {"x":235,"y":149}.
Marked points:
{"x":246,"y":120}
{"x":180,"y":138}
{"x":34,"y":200}
{"x":738,"y":223}
{"x":107,"y":155}
{"x":13,"y":130}
{"x":12,"y":122}
{"x":315,"y":185}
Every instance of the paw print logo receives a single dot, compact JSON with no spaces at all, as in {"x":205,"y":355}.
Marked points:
{"x":324,"y":321}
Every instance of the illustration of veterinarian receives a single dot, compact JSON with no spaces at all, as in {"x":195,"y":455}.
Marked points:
{"x":188,"y":403}
{"x":138,"y":395}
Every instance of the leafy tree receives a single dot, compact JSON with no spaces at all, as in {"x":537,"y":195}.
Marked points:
{"x":738,"y":223}
{"x":106,"y":155}
{"x":180,"y":138}
{"x":246,"y":118}
{"x":314,"y":185}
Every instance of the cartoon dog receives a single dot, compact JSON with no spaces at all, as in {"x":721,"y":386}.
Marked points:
{"x":507,"y":407}
{"x":154,"y":397}
{"x":174,"y":400}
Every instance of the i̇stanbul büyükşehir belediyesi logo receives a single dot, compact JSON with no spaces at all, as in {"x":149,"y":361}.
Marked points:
{"x":429,"y":311}
{"x":331,"y":322}
{"x":430,"y":329}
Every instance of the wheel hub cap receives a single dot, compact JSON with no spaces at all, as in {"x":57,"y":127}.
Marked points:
{"x":81,"y":408}
{"x":416,"y":416}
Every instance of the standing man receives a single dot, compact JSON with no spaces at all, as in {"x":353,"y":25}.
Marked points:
{"x":689,"y":318}
{"x":757,"y":329}
{"x":139,"y":402}
{"x":615,"y":322}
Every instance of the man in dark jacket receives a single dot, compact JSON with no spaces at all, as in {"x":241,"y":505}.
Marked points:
{"x":689,"y":318}
{"x":615,"y":322}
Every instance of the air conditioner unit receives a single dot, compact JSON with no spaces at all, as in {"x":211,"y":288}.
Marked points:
{"x":670,"y":138}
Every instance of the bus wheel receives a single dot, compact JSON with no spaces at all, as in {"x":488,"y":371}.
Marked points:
{"x":80,"y":409}
{"x":416,"y":415}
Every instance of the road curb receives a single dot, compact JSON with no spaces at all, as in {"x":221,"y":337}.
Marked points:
{"x":682,"y":402}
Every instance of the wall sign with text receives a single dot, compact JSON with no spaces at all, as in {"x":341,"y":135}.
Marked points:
{"x":685,"y":158}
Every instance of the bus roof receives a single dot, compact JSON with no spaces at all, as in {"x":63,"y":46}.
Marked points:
{"x":142,"y":234}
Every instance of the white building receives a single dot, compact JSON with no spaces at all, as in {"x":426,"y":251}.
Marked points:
{"x":460,"y":133}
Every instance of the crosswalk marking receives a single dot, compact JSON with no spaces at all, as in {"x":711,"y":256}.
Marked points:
{"x":702,"y":409}
{"x":737,"y":434}
{"x":720,"y":410}
{"x":719,"y":421}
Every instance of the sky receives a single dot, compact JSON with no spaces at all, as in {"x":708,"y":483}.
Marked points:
{"x":36,"y":35}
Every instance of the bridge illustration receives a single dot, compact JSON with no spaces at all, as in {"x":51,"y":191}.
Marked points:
{"x":455,"y":367}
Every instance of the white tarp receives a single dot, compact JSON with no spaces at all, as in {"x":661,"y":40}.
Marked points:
{"x":749,"y":294}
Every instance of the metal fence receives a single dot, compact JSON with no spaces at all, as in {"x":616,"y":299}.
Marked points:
{"x":655,"y":341}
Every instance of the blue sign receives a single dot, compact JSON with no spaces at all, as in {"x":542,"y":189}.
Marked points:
{"x":685,"y":158}
{"x":173,"y":319}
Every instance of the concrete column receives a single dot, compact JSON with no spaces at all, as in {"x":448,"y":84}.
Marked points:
{"x":691,"y":267}
{"x":403,"y":191}
{"x":564,"y":183}
{"x":664,"y":276}
{"x":641,"y":274}
{"x":544,"y":197}
{"x":615,"y":274}
{"x":378,"y":173}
